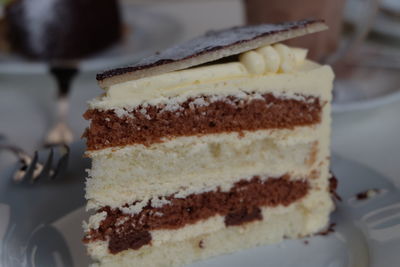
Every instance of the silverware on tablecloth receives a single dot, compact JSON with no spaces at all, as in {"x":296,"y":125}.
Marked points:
{"x":31,"y":169}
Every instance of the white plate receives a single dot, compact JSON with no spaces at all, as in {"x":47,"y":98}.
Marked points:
{"x":368,"y":87}
{"x":40,"y":225}
{"x":148,"y":32}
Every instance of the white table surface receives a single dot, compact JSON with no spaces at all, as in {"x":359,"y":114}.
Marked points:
{"x":371,"y":137}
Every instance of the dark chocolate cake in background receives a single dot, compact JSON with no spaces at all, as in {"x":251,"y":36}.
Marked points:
{"x":62,"y":29}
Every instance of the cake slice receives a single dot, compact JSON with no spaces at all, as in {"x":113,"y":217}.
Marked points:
{"x":212,"y":146}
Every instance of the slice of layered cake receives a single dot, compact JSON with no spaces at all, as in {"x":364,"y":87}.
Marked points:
{"x":212,"y":146}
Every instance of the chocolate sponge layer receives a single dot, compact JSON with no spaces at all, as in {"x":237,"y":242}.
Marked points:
{"x":150,"y":124}
{"x":241,"y":204}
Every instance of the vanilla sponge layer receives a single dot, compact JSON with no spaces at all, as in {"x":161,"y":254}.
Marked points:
{"x":211,"y":237}
{"x":188,"y":165}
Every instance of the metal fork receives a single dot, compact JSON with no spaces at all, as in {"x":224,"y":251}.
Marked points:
{"x":31,"y":169}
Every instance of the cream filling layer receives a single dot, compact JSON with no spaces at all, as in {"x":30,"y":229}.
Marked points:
{"x":222,"y":80}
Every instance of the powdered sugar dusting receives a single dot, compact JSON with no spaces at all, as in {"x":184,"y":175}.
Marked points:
{"x":175,"y":104}
{"x":159,"y":202}
{"x":159,"y":214}
{"x":121,"y":221}
{"x":172,"y":106}
{"x":258,"y":96}
{"x":143,"y":111}
{"x":134,"y":209}
{"x":200,"y":102}
{"x":123,"y":113}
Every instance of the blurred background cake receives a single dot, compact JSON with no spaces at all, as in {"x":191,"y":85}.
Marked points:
{"x":62,"y":29}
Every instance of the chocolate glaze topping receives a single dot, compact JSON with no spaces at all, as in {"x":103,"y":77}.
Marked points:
{"x":227,"y":115}
{"x":239,"y":205}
